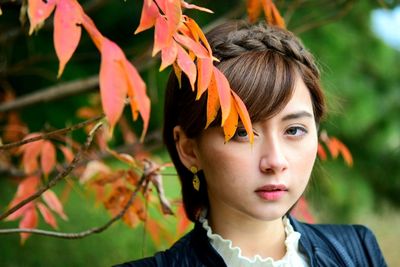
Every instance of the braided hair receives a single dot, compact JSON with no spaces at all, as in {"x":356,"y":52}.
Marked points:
{"x":244,"y":37}
{"x":262,"y":64}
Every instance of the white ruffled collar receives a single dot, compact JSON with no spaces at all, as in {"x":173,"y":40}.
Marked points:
{"x":233,"y":257}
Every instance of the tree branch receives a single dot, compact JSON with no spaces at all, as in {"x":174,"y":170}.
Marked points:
{"x":53,"y":92}
{"x":59,"y":176}
{"x":234,"y":13}
{"x":82,"y":234}
{"x":152,"y":142}
{"x":69,"y":88}
{"x":56,"y":132}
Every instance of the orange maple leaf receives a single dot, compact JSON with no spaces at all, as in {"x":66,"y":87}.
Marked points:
{"x":173,"y":12}
{"x":138,"y":98}
{"x":187,"y":65}
{"x":47,"y":215}
{"x":168,"y":55}
{"x":48,"y":157}
{"x":224,"y":93}
{"x":149,"y":15}
{"x":113,"y":85}
{"x":51,"y":199}
{"x":253,"y":10}
{"x":213,"y":103}
{"x":26,"y":188}
{"x":198,"y":49}
{"x":204,"y":74}
{"x":38,"y":12}
{"x":67,"y":30}
{"x":68,"y":155}
{"x":244,"y":116}
{"x":31,"y":152}
{"x":272,"y":14}
{"x":321,"y":152}
{"x":40,"y":148}
{"x":302,"y":211}
{"x":183,"y":221}
{"x":335,"y":148}
{"x":197,"y":33}
{"x":28,"y":221}
{"x":231,"y":122}
{"x":162,"y":35}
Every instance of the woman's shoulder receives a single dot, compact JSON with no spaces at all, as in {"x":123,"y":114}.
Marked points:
{"x":352,"y":243}
{"x":341,"y":231}
{"x":176,"y":255}
{"x":347,"y":234}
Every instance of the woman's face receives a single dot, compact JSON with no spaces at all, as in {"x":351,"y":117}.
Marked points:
{"x":264,"y":180}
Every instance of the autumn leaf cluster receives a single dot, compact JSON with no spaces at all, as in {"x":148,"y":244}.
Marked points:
{"x":181,"y":44}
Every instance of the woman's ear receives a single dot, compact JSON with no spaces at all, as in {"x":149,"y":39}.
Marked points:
{"x":186,"y":148}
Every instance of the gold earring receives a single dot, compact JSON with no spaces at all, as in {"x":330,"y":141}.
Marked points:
{"x":195,"y":180}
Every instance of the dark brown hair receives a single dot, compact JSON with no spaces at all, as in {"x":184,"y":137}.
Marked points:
{"x":261,"y":64}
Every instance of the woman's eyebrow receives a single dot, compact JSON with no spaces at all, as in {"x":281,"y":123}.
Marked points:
{"x":297,"y":115}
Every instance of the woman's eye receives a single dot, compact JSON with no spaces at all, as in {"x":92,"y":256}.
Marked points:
{"x":241,"y":135}
{"x":296,"y":131}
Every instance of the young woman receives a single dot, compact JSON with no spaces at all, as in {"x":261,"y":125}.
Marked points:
{"x":239,"y":195}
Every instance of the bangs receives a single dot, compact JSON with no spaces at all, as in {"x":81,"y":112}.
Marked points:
{"x":264,"y":81}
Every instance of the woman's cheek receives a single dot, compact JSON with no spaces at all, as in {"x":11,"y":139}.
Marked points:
{"x":217,"y":163}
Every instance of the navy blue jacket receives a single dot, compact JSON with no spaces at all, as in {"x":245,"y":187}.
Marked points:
{"x":324,"y":245}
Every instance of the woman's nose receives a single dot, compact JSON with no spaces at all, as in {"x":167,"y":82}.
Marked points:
{"x":273,"y":158}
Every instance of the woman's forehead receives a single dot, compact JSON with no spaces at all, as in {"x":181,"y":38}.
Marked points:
{"x":267,"y":103}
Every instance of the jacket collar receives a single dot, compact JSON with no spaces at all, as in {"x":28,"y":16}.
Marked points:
{"x":305,"y":246}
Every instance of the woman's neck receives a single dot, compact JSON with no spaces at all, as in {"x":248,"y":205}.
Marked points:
{"x":254,"y":237}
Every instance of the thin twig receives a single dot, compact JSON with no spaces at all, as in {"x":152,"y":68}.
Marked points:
{"x":335,"y":17}
{"x":59,"y":176}
{"x":56,"y":132}
{"x":152,"y":142}
{"x":232,"y":14}
{"x":290,"y":10}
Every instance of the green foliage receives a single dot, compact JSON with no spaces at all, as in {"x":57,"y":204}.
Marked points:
{"x":361,"y":77}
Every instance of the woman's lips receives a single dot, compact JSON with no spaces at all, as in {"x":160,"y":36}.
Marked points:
{"x":271,"y":192}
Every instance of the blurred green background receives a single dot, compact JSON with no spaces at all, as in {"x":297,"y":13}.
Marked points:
{"x":360,"y":73}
